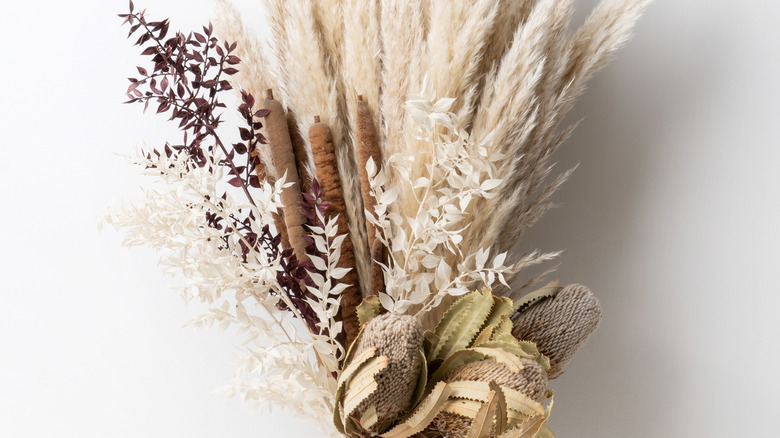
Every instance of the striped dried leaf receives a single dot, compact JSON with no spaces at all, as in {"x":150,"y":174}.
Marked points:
{"x":423,"y":414}
{"x":483,"y":423}
{"x":363,"y":384}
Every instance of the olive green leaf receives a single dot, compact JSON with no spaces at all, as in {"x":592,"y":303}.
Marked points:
{"x":508,"y":359}
{"x":545,"y":433}
{"x":368,"y":309}
{"x":422,"y":381}
{"x":502,"y":306}
{"x":483,"y":336}
{"x":455,"y":361}
{"x":457,"y":330}
{"x":450,"y":322}
{"x":548,"y":291}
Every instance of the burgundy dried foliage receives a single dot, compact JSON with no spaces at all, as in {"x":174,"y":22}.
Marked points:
{"x":188,"y":76}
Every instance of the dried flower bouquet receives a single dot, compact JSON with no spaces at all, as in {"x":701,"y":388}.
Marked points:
{"x":357,"y":225}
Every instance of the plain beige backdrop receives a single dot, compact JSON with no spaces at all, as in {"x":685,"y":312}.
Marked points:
{"x":671,"y":218}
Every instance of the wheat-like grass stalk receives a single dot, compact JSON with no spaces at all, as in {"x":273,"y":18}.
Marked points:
{"x":256,"y":73}
{"x":362,"y":57}
{"x":605,"y":30}
{"x":402,"y":26}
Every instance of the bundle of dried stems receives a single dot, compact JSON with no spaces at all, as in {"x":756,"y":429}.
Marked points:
{"x":402,"y":151}
{"x":512,"y":68}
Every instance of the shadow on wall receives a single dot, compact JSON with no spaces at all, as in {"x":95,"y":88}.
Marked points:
{"x":624,"y":380}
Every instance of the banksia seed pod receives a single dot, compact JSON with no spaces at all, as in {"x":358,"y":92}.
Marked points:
{"x":559,"y":325}
{"x":400,"y":338}
{"x":531,"y":381}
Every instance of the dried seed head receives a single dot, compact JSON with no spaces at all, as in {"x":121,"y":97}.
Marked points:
{"x":399,"y":337}
{"x":559,"y":325}
{"x":531,"y":381}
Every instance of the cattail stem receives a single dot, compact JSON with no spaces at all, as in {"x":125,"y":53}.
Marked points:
{"x":324,"y":154}
{"x":284,"y":160}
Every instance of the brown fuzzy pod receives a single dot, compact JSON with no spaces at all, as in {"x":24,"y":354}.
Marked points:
{"x":378,"y":254}
{"x":300,"y":152}
{"x":367,"y":147}
{"x":400,"y":338}
{"x":284,"y":160}
{"x":559,"y":325}
{"x":324,"y":154}
{"x":278,"y":217}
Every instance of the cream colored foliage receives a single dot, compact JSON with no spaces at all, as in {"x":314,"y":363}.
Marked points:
{"x":277,"y":356}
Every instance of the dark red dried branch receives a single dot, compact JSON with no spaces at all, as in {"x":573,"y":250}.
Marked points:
{"x":189,"y":75}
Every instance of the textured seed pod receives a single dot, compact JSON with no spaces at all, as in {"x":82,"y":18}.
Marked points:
{"x":559,"y":325}
{"x":531,"y":381}
{"x":378,"y":254}
{"x":400,"y":338}
{"x":452,"y":425}
{"x":367,"y":147}
{"x":302,"y":158}
{"x":326,"y":165}
{"x":284,"y":160}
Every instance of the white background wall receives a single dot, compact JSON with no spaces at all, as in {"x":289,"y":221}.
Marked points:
{"x":672,"y":219}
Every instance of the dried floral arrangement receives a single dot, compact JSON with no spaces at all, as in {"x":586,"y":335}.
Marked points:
{"x":358,"y":221}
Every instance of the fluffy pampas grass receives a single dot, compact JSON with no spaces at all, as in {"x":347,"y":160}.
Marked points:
{"x":512,"y":68}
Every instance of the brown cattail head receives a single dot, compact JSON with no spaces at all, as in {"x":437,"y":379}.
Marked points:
{"x":378,"y":255}
{"x":284,"y":160}
{"x":278,"y":217}
{"x":368,"y":147}
{"x":325,"y":162}
{"x":559,"y":325}
{"x":300,"y":151}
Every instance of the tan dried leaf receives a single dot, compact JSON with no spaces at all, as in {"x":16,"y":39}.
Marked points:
{"x":423,"y":415}
{"x":482,"y":424}
{"x":363,"y":384}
